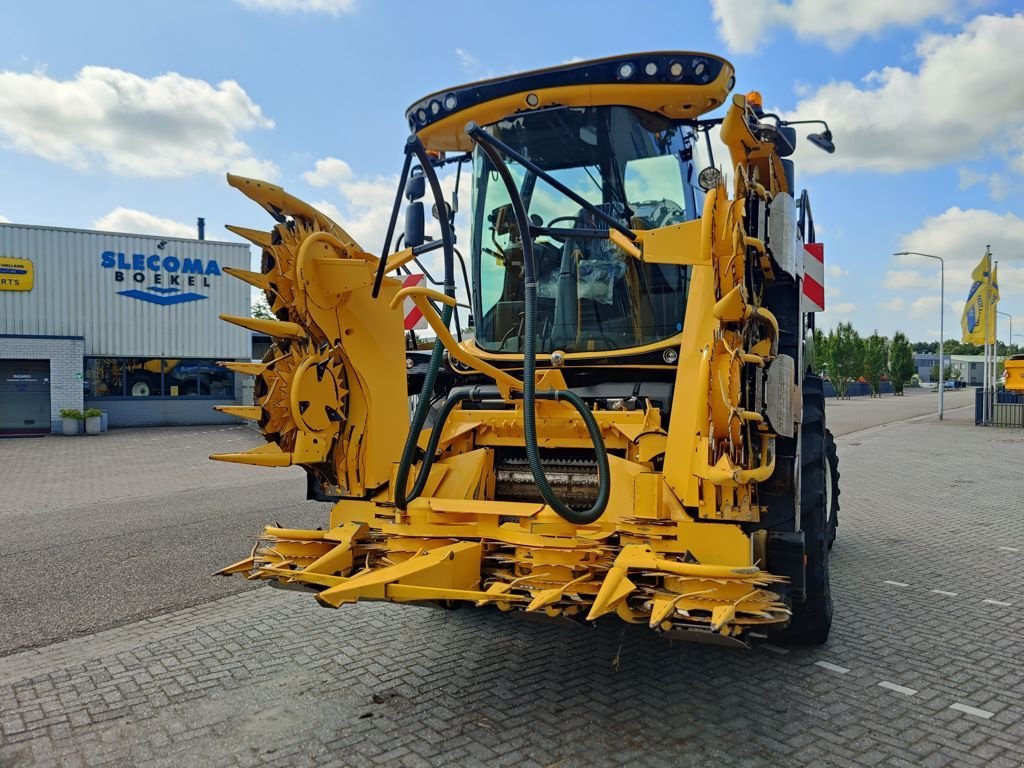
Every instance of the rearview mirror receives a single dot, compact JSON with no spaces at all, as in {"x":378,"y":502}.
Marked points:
{"x":823,"y":141}
{"x":416,"y":186}
{"x":413,"y":225}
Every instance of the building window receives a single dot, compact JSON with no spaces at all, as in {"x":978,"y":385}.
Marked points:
{"x":169,"y":378}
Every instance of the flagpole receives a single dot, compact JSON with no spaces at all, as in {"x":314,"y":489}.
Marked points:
{"x":995,"y":340}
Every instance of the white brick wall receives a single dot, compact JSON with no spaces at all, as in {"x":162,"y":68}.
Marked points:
{"x":65,"y":356}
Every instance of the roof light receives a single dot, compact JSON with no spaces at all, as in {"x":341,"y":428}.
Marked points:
{"x":532,"y":100}
{"x":675,"y":69}
{"x":754,"y":100}
{"x":450,"y":102}
{"x":626,"y":71}
{"x":435,"y":107}
{"x":651,"y":69}
{"x":421,"y":115}
{"x":670,"y":356}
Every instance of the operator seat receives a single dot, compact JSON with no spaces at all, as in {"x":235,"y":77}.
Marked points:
{"x":591,"y":294}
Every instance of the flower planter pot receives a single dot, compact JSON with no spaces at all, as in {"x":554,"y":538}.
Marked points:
{"x":92,"y":425}
{"x":70,"y":426}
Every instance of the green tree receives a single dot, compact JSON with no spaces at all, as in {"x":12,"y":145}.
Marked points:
{"x":817,"y":354}
{"x":875,"y":362}
{"x":260,"y":309}
{"x":845,"y":356}
{"x":901,"y":361}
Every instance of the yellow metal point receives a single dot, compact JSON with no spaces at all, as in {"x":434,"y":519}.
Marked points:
{"x":546,"y":597}
{"x":255,"y":236}
{"x":443,"y":565}
{"x":615,"y":587}
{"x":279,"y":203}
{"x":722,"y":615}
{"x":277,"y":328}
{"x":256,"y":279}
{"x":268,"y":455}
{"x":665,"y":607}
{"x":240,"y":567}
{"x":250,"y":412}
{"x":253,"y":369}
{"x":498,"y":589}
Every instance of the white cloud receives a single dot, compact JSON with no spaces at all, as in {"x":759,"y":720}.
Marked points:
{"x":902,"y":279}
{"x":894,"y":304}
{"x":744,"y":24}
{"x":3,"y":219}
{"x":331,"y":7}
{"x":998,"y":186}
{"x":331,"y":210}
{"x":960,"y":237}
{"x":926,"y":306}
{"x":168,"y":125}
{"x":142,"y":223}
{"x":328,"y":171}
{"x":366,"y":201}
{"x":897,"y":120}
{"x":468,"y":61}
{"x":845,"y":308}
{"x":835,"y":271}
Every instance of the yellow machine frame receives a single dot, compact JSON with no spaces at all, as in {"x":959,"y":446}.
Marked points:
{"x":670,"y":550}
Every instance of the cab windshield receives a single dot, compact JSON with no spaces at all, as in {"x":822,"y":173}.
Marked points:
{"x":634,"y":166}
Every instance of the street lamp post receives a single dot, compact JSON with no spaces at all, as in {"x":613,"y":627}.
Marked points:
{"x":1007,"y":314}
{"x":942,"y":312}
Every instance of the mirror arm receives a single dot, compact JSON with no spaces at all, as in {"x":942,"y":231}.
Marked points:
{"x":382,"y":265}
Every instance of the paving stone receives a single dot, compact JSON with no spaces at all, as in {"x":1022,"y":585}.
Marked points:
{"x":268,"y":678}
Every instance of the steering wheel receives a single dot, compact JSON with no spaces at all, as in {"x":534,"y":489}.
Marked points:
{"x":557,"y":219}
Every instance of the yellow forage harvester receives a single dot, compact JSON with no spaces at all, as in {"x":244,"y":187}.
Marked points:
{"x":625,"y":422}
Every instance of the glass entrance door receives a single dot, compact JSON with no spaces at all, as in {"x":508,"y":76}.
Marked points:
{"x":24,"y":397}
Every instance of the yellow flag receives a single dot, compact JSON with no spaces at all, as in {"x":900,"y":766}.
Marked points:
{"x":994,"y":290}
{"x":974,"y":320}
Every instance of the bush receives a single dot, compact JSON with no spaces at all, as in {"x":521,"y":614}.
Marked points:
{"x":91,"y":413}
{"x":72,"y":413}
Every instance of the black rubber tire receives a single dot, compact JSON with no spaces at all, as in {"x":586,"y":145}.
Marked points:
{"x":812,"y":617}
{"x":832,"y":458}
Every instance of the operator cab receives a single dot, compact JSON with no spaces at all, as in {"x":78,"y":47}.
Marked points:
{"x":619,"y":133}
{"x":633,"y":165}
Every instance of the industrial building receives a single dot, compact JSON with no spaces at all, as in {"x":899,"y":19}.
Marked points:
{"x":124,"y":323}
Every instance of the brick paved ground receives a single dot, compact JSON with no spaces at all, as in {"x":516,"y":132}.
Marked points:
{"x":101,"y":531}
{"x":858,"y":413}
{"x":928,"y":589}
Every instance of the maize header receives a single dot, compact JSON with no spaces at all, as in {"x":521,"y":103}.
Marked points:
{"x":618,"y":416}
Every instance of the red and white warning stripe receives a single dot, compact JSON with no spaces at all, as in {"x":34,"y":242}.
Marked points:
{"x":814,"y":277}
{"x":413,"y":317}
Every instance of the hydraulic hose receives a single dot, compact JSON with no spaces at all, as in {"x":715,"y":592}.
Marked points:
{"x":476,"y":394}
{"x":577,"y":517}
{"x":419,"y":417}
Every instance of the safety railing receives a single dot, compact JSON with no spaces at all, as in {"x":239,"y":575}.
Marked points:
{"x":997,"y":408}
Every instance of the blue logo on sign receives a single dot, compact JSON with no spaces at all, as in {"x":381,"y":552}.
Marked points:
{"x":164,"y":296}
{"x":167,"y":273}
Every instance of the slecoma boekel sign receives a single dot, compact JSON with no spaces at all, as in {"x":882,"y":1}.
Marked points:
{"x":162,"y":279}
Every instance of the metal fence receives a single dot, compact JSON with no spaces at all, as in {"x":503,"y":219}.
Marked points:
{"x":998,"y":409}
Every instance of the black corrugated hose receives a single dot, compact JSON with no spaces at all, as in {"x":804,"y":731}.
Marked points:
{"x":578,"y":517}
{"x":423,"y":405}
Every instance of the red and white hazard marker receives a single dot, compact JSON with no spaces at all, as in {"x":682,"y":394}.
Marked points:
{"x":413,"y":317}
{"x":814,"y":277}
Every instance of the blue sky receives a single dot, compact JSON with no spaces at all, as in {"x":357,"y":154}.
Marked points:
{"x":125,"y":116}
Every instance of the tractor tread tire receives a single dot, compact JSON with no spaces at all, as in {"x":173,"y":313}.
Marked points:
{"x":812,"y":617}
